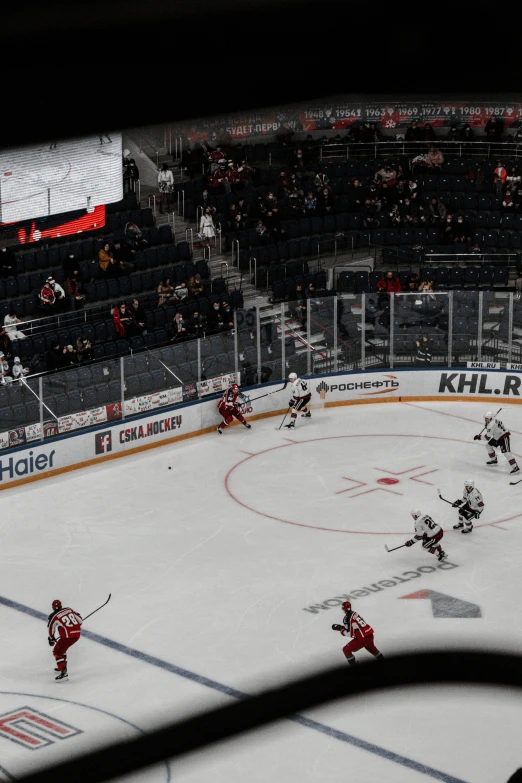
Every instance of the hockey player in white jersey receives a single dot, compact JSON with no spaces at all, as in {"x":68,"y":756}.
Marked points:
{"x":300,"y":398}
{"x":470,"y":507}
{"x":496,"y":436}
{"x":429,"y":532}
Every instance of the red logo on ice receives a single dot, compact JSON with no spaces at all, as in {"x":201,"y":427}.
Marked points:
{"x":34,"y":729}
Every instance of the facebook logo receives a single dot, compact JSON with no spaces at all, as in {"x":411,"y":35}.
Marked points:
{"x":103,"y":442}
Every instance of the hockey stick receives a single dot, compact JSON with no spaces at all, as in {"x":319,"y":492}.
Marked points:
{"x":269,"y":393}
{"x":485,"y":425}
{"x":98,"y":609}
{"x":286,"y":414}
{"x":444,"y":499}
{"x":512,"y":483}
{"x":394,"y":548}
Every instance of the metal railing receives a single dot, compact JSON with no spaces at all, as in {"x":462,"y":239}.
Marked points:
{"x":343,"y":332}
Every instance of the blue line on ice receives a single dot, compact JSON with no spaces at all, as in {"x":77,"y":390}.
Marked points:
{"x":235,"y":694}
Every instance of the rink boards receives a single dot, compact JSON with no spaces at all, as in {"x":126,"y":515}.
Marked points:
{"x":128,"y":436}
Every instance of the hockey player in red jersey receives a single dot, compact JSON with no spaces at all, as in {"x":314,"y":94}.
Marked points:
{"x":65,"y":628}
{"x":228,"y":406}
{"x":362,"y":634}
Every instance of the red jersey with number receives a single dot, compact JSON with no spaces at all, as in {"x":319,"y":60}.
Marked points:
{"x":356,"y":627}
{"x":229,"y":399}
{"x":65,"y":624}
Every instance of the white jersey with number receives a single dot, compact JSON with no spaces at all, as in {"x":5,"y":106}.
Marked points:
{"x":426,"y":526}
{"x":496,"y":430}
{"x":473,"y":499}
{"x":300,"y":388}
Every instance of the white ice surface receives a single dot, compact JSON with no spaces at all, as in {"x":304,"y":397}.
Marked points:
{"x":206,"y":573}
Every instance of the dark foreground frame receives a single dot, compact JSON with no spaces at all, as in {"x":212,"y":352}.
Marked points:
{"x":417,"y":669}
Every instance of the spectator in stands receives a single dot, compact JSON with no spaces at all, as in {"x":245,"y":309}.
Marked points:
{"x":508,"y":205}
{"x":386,"y":174}
{"x":122,"y":319}
{"x":370,"y":223}
{"x":47,"y":299}
{"x":261,"y":230}
{"x":123,"y":256}
{"x":479,"y":175}
{"x":231,"y":177}
{"x":133,"y":174}
{"x":513,"y":180}
{"x":181,"y":292}
{"x":106,"y":260}
{"x":134,"y":236}
{"x":424,"y":219}
{"x":428,"y":132}
{"x":5,"y":371}
{"x":228,"y":315}
{"x":196,"y":325}
{"x":242,"y":209}
{"x":11,"y":321}
{"x":325,"y":202}
{"x":300,"y":304}
{"x":178,"y":328}
{"x":499,"y":179}
{"x":494,"y":129}
{"x":84,"y":350}
{"x":437,"y":210}
{"x":387,"y":195}
{"x":453,"y":135}
{"x":423,"y":350}
{"x":434,"y":158}
{"x":355,"y":196}
{"x":54,"y":358}
{"x":448,"y":230}
{"x":73,"y":289}
{"x":7,"y":262}
{"x":410,"y":134}
{"x":61,"y":300}
{"x":231,"y":216}
{"x":206,"y":225}
{"x":165,"y":292}
{"x":195,"y":286}
{"x":69,"y":264}
{"x":139,"y":316}
{"x":395,"y":215}
{"x":320,"y":181}
{"x":71,"y":357}
{"x":246,"y":174}
{"x":413,"y":282}
{"x":518,"y":201}
{"x":310,"y":204}
{"x":388,"y":284}
{"x":466,"y":133}
{"x":215,"y":318}
{"x":165,"y":186}
{"x":5,"y":344}
{"x":273,"y":224}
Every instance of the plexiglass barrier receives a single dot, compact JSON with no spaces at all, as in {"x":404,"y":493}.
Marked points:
{"x":306,"y":335}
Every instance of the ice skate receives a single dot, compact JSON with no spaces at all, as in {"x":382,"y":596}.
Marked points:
{"x":458,"y":525}
{"x":247,"y":425}
{"x":62,"y":676}
{"x":515,"y":469}
{"x":290,"y":426}
{"x":306,"y":415}
{"x":219,"y":430}
{"x":493,"y":461}
{"x":468,"y":529}
{"x":441,"y":555}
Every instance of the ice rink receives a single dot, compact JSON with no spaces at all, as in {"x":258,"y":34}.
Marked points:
{"x":226,"y":574}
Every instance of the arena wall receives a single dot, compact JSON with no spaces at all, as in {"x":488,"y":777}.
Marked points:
{"x":111,"y":440}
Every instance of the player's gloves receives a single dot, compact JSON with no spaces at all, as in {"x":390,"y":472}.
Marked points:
{"x":477,"y":437}
{"x":291,"y":403}
{"x":457,"y":503}
{"x":410,"y":542}
{"x":51,"y":641}
{"x":336,"y":627}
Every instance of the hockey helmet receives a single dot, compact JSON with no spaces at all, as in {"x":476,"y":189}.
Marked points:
{"x":469,"y":483}
{"x":346,"y":606}
{"x":234,"y":386}
{"x":488,"y":416}
{"x":57,"y":604}
{"x":292,"y":376}
{"x":416,"y":513}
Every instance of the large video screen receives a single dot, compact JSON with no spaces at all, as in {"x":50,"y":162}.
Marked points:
{"x":76,"y":174}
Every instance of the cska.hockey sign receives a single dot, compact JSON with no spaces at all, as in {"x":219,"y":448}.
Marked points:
{"x":475,"y":383}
